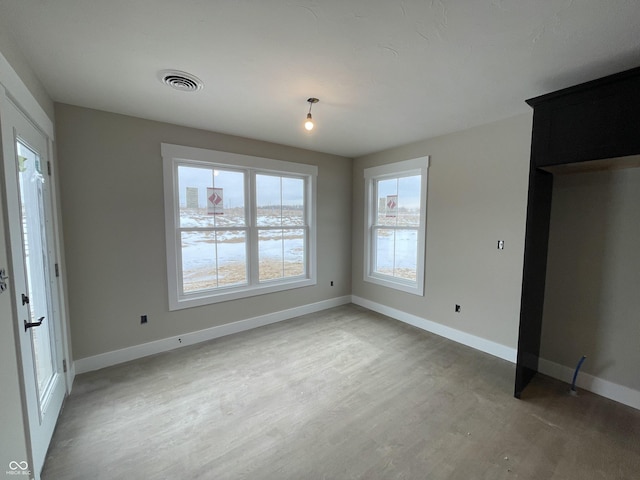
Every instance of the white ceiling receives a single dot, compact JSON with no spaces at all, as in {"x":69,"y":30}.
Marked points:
{"x":386,"y":72}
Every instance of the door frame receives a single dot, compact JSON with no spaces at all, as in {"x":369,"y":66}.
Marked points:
{"x":14,"y":91}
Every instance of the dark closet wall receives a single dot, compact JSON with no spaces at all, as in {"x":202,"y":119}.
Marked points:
{"x":593,"y":121}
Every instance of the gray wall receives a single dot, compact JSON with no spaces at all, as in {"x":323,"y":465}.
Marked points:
{"x":592,"y":296}
{"x":477,"y":195}
{"x":112,"y":199}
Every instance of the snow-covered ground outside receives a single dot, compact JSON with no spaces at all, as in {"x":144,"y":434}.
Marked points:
{"x":212,"y":259}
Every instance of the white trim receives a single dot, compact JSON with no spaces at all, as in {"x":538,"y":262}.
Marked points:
{"x":218,"y":157}
{"x":115,"y":357}
{"x":479,"y":343}
{"x":20,"y":94}
{"x":18,"y":108}
{"x":71,"y":375}
{"x":416,"y":166}
{"x":618,"y":393}
{"x":250,"y":166}
{"x":599,"y":386}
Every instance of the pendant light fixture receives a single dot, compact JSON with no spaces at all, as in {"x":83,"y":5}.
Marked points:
{"x":308,"y":124}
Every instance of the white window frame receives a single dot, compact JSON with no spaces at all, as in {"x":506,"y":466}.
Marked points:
{"x":416,"y":166}
{"x":175,"y":155}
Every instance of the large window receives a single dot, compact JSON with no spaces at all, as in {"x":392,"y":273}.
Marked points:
{"x":236,"y":225}
{"x":395,"y":222}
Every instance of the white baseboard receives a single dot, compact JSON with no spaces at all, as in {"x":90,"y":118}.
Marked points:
{"x":479,"y":343}
{"x":115,"y":357}
{"x":605,"y":388}
{"x":71,"y":375}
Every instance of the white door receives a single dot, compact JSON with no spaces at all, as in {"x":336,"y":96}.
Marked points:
{"x":33,"y":267}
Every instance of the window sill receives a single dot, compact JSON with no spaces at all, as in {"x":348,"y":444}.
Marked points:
{"x":199,"y":299}
{"x":412,"y":288}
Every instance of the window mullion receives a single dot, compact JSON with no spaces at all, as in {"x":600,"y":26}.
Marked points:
{"x":185,"y":175}
{"x":373,"y":248}
{"x":307,"y":220}
{"x":281,"y":231}
{"x":394,"y":270}
{"x":178,"y":237}
{"x":373,"y":239}
{"x":395,"y":248}
{"x":252,"y":223}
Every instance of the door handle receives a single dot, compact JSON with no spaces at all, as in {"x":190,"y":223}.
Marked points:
{"x":28,"y":325}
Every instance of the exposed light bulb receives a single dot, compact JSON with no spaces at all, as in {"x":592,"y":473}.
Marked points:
{"x":308,"y":124}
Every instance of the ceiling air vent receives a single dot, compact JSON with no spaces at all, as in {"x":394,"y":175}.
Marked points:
{"x":183,"y":81}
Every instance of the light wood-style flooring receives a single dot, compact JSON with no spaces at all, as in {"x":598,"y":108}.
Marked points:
{"x":341,"y":394}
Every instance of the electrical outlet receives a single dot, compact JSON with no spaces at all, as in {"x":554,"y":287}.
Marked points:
{"x":458,"y":308}
{"x":143,"y":319}
{"x":332,"y":283}
{"x":500,"y":244}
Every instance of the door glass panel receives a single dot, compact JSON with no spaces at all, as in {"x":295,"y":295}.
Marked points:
{"x":34,"y":227}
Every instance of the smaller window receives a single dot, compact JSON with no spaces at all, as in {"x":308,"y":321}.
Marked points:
{"x":395,"y":224}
